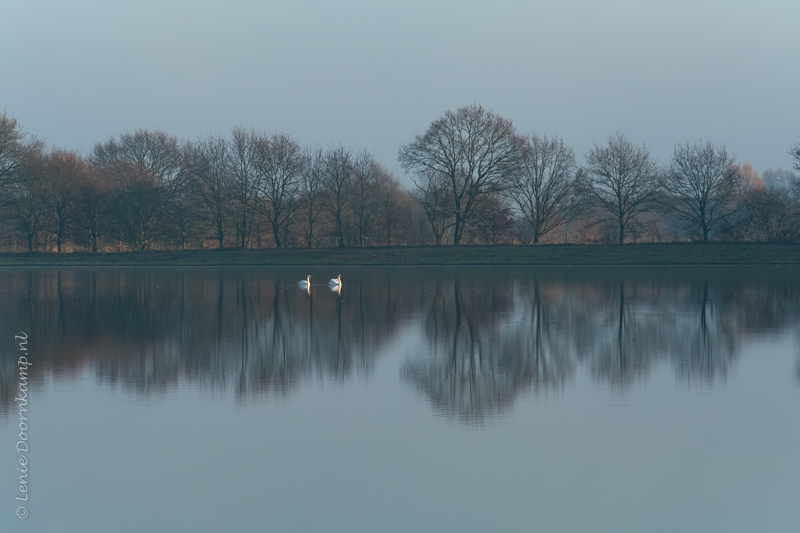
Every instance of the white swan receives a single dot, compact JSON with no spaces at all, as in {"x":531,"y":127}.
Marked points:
{"x":306,"y":282}
{"x":336,"y":281}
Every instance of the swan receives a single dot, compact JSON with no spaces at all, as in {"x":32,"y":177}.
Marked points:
{"x":336,"y":280}
{"x":306,"y":282}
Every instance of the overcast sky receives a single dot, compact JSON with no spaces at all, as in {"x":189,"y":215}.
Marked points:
{"x":371,"y":75}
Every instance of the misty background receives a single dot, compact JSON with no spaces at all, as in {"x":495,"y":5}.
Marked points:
{"x":372,"y":75}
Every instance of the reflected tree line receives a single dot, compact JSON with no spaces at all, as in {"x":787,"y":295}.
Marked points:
{"x":482,"y":342}
{"x":150,"y":331}
{"x":488,"y":342}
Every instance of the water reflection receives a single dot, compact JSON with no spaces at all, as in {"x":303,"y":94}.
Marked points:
{"x":148,"y":330}
{"x":473,"y":367}
{"x":486,"y":336}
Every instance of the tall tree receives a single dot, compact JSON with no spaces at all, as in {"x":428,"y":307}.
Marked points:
{"x":490,"y":222}
{"x":774,"y":215}
{"x":212,"y":185}
{"x":145,"y":167}
{"x":92,"y":210}
{"x":336,"y":183}
{"x":475,"y":150}
{"x":775,"y":208}
{"x":281,"y":161}
{"x":25,"y":197}
{"x":701,"y":184}
{"x":15,"y":147}
{"x":545,"y":184}
{"x":364,"y":196}
{"x":433,"y":195}
{"x":13,"y":150}
{"x":154,"y":153}
{"x":389,"y":196}
{"x":246,"y":183}
{"x":63,"y":172}
{"x":410,"y":228}
{"x":182,"y":209}
{"x":311,"y":193}
{"x":137,"y":205}
{"x":621,"y":179}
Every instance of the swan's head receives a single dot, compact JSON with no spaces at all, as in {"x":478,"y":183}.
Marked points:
{"x":308,"y":279}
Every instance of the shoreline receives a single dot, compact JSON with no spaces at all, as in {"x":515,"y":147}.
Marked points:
{"x":541,"y":255}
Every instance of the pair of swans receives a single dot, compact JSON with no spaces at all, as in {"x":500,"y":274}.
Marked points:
{"x":336,"y":282}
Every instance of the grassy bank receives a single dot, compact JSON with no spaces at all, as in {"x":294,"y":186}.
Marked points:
{"x":629,"y":254}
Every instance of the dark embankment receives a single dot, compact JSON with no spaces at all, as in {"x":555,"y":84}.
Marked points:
{"x":628,"y":254}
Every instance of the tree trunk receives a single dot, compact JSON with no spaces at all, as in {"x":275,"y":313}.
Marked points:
{"x":458,"y":230}
{"x":339,"y":230}
{"x":93,"y":238}
{"x":276,"y":234}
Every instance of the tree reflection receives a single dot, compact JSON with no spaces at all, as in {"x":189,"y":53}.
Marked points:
{"x":462,"y":374}
{"x":152,"y":330}
{"x":486,"y":339}
{"x":479,"y":357}
{"x":483,"y":350}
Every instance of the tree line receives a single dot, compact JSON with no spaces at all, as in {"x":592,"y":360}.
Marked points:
{"x":476,"y":180}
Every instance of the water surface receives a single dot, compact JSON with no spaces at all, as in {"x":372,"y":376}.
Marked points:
{"x":427,"y":399}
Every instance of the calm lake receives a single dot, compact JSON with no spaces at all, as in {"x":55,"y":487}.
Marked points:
{"x":412,"y":400}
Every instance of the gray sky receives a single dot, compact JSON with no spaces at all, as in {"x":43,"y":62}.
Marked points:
{"x":371,"y":75}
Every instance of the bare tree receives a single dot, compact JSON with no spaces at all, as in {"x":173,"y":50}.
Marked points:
{"x":182,"y":208}
{"x":63,"y":173}
{"x":741,"y":225}
{"x":92,"y":220}
{"x":412,"y":226}
{"x":281,"y":161}
{"x":364,"y":196}
{"x":137,"y":204}
{"x":337,"y":181}
{"x":246,"y":183}
{"x":145,"y":167}
{"x":490,"y":222}
{"x":775,"y":209}
{"x":545,"y":184}
{"x":700,"y":186}
{"x":621,"y":179}
{"x":212,"y":185}
{"x":25,"y":197}
{"x":774,"y":216}
{"x":795,"y":153}
{"x":311,"y":191}
{"x":154,"y":153}
{"x":14,"y":149}
{"x":477,"y":152}
{"x":389,"y":198}
{"x":433,"y":195}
